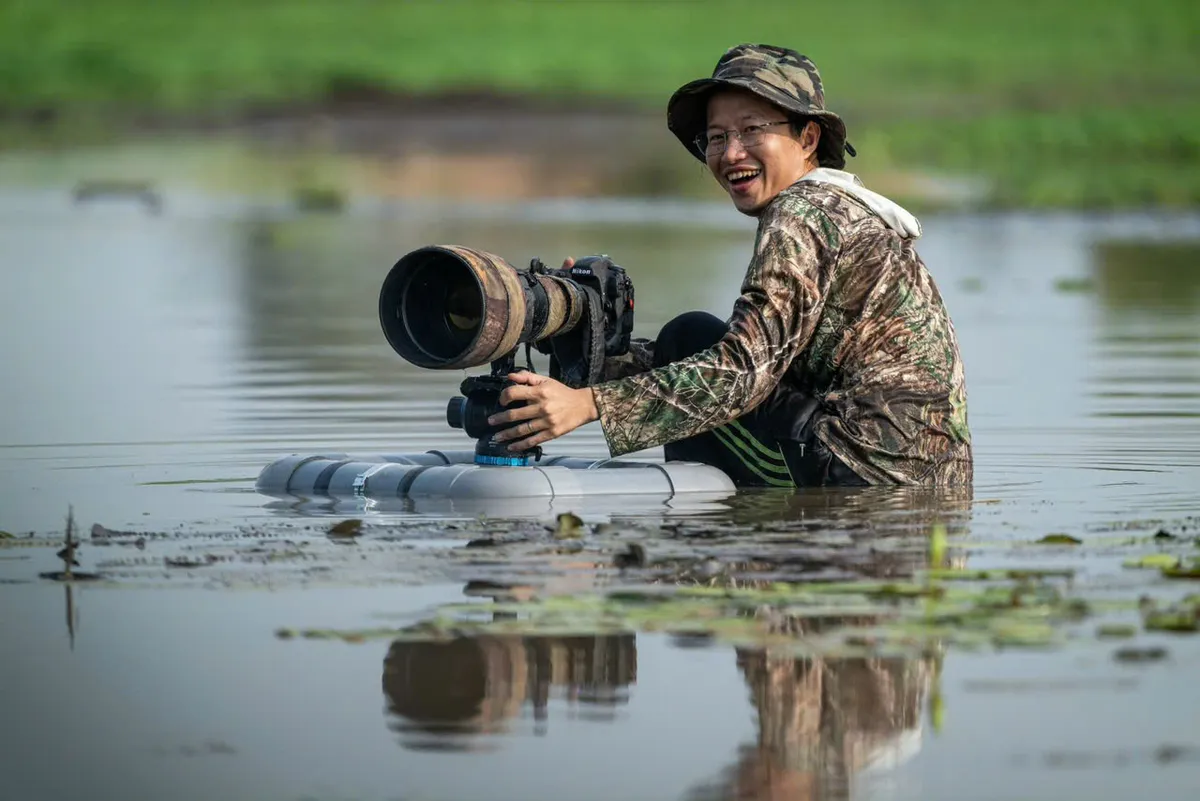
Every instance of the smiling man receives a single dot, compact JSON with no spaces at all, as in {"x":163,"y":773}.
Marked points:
{"x":839,"y":364}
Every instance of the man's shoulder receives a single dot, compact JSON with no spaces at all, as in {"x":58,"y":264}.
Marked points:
{"x":798,"y":213}
{"x":832,"y":202}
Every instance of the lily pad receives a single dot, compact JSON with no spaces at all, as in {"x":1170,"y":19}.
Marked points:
{"x":1059,"y":539}
{"x":1116,"y":631}
{"x":188,"y":561}
{"x":1152,"y":561}
{"x":569,"y":526}
{"x":1153,"y":654}
{"x":1171,"y":620}
{"x":1073,"y":284}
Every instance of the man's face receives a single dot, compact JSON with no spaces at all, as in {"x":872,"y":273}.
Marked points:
{"x":754,"y":174}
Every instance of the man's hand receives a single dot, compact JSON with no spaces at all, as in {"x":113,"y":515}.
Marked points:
{"x":552,"y":409}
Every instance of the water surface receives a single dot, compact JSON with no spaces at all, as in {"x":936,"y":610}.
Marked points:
{"x":153,"y":363}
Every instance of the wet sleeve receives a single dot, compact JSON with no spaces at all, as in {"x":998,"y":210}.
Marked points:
{"x":772,"y":322}
{"x":638,"y":359}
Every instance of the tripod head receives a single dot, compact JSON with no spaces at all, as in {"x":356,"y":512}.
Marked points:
{"x":480,"y":400}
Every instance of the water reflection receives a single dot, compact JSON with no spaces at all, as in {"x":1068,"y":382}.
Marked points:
{"x":1148,"y":276}
{"x":824,"y":723}
{"x":880,"y":509}
{"x":1145,"y":384}
{"x":643,"y":505}
{"x":821,"y":723}
{"x":443,"y":695}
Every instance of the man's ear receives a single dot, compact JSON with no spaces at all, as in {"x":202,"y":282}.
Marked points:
{"x":811,"y":137}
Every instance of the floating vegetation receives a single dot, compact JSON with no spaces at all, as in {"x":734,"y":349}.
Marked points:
{"x":1173,"y":620}
{"x":346,"y":528}
{"x":1180,"y":617}
{"x":569,"y":526}
{"x":318,"y":198}
{"x":1068,"y":284}
{"x":1116,"y":631}
{"x":1059,"y":539}
{"x":802,"y":589}
{"x":188,"y":562}
{"x":707,"y":587}
{"x":823,"y":618}
{"x":1154,"y":561}
{"x":1153,"y":654}
{"x":142,"y":192}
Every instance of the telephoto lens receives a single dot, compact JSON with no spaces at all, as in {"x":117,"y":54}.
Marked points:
{"x":451,"y":307}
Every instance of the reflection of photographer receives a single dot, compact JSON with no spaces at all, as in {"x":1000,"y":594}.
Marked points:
{"x":823,"y":722}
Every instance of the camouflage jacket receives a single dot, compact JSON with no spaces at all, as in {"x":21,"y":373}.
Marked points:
{"x":837,"y":305}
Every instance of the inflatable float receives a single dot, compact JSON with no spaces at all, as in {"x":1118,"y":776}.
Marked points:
{"x":454,"y":476}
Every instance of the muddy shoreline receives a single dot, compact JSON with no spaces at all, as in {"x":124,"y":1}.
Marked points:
{"x":457,"y":146}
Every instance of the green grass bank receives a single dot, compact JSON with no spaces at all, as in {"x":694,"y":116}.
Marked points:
{"x":1087,"y":103}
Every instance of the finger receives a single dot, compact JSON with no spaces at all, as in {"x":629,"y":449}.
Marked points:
{"x":527,"y":377}
{"x":513,"y":415}
{"x":568,"y":263}
{"x":528,"y":443}
{"x":511,"y":395}
{"x":526,"y":429}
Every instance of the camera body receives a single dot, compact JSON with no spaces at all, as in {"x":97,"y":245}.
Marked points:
{"x":612,"y":284}
{"x":606,"y":324}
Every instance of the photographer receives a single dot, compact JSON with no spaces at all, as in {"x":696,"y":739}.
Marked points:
{"x":839,"y":364}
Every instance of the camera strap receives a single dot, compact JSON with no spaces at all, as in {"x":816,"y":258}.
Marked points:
{"x":577,"y":358}
{"x":535,"y":321}
{"x":594,"y":336}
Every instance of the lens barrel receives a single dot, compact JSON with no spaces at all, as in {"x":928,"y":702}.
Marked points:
{"x":448,"y":307}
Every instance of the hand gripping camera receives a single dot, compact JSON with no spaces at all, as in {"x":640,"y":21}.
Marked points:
{"x":451,"y":307}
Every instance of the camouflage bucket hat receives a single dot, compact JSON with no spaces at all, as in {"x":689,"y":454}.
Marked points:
{"x":778,"y":75}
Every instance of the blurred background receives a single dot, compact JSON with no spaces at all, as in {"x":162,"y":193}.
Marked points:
{"x":1028,"y":103}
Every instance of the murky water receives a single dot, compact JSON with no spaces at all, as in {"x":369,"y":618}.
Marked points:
{"x":154,"y":363}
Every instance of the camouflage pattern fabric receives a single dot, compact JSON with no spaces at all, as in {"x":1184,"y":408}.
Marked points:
{"x":835,"y":306}
{"x":639,"y":359}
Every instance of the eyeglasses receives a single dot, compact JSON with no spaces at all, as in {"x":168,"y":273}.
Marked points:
{"x":750,"y":136}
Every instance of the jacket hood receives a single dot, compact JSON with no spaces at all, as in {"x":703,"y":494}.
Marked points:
{"x":893,"y":214}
